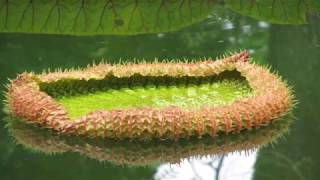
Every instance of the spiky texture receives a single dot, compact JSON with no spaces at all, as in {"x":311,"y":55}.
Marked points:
{"x":271,"y":99}
{"x":144,"y":153}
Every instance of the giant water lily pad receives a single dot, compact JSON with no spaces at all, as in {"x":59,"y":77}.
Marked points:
{"x":276,"y":11}
{"x":94,"y":17}
{"x":168,"y":100}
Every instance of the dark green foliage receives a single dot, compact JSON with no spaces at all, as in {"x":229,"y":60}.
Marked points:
{"x":276,"y":11}
{"x":94,"y":17}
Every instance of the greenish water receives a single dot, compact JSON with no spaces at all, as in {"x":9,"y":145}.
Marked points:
{"x":284,"y":35}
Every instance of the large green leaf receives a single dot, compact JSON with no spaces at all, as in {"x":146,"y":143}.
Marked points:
{"x":93,"y":17}
{"x":275,"y":11}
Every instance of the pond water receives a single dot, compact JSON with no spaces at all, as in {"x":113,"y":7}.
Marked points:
{"x":285,"y":36}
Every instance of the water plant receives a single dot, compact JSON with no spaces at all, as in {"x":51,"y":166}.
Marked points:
{"x":164,"y":100}
{"x":81,"y":17}
{"x":275,"y":11}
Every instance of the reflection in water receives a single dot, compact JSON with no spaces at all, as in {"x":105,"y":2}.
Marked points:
{"x":226,"y":167}
{"x":144,"y":153}
{"x":295,"y":52}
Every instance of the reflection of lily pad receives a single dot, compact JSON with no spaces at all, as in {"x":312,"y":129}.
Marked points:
{"x":82,"y":17}
{"x":139,"y":153}
{"x":275,"y":11}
